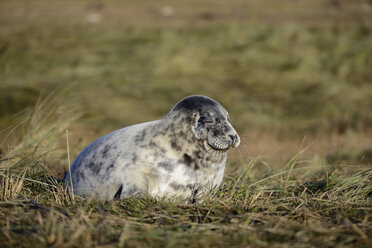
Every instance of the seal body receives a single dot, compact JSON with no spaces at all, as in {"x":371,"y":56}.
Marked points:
{"x":182,"y":155}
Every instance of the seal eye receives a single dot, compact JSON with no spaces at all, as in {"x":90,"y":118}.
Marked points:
{"x":228,"y":119}
{"x":204,"y":119}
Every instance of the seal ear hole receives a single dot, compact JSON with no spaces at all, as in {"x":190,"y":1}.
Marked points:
{"x":195,"y":117}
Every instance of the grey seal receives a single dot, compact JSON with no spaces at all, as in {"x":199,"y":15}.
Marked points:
{"x":182,"y":155}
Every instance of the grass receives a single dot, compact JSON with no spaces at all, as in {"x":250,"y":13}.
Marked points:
{"x":326,"y":211}
{"x":299,"y":203}
{"x":295,"y":78}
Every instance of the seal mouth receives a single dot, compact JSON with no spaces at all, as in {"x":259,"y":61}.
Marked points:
{"x":210,"y":147}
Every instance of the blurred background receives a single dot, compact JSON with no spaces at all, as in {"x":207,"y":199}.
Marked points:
{"x":291,"y":73}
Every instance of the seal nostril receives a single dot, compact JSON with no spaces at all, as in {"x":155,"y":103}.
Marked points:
{"x":232,"y":139}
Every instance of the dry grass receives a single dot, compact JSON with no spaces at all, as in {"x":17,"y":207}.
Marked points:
{"x":302,"y":203}
{"x":278,"y":210}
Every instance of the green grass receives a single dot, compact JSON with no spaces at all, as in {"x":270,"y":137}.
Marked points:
{"x":284,"y":77}
{"x":298,"y":203}
{"x":291,"y":75}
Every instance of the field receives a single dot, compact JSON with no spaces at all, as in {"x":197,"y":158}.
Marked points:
{"x":296,"y":78}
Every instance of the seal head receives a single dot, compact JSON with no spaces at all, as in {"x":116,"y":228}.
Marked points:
{"x":210,"y":122}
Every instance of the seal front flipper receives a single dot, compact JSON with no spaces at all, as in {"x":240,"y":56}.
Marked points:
{"x":118,"y":193}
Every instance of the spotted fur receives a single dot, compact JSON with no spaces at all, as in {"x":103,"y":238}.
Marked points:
{"x":182,"y":155}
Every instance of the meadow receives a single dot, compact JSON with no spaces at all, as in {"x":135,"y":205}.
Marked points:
{"x":295,"y":77}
